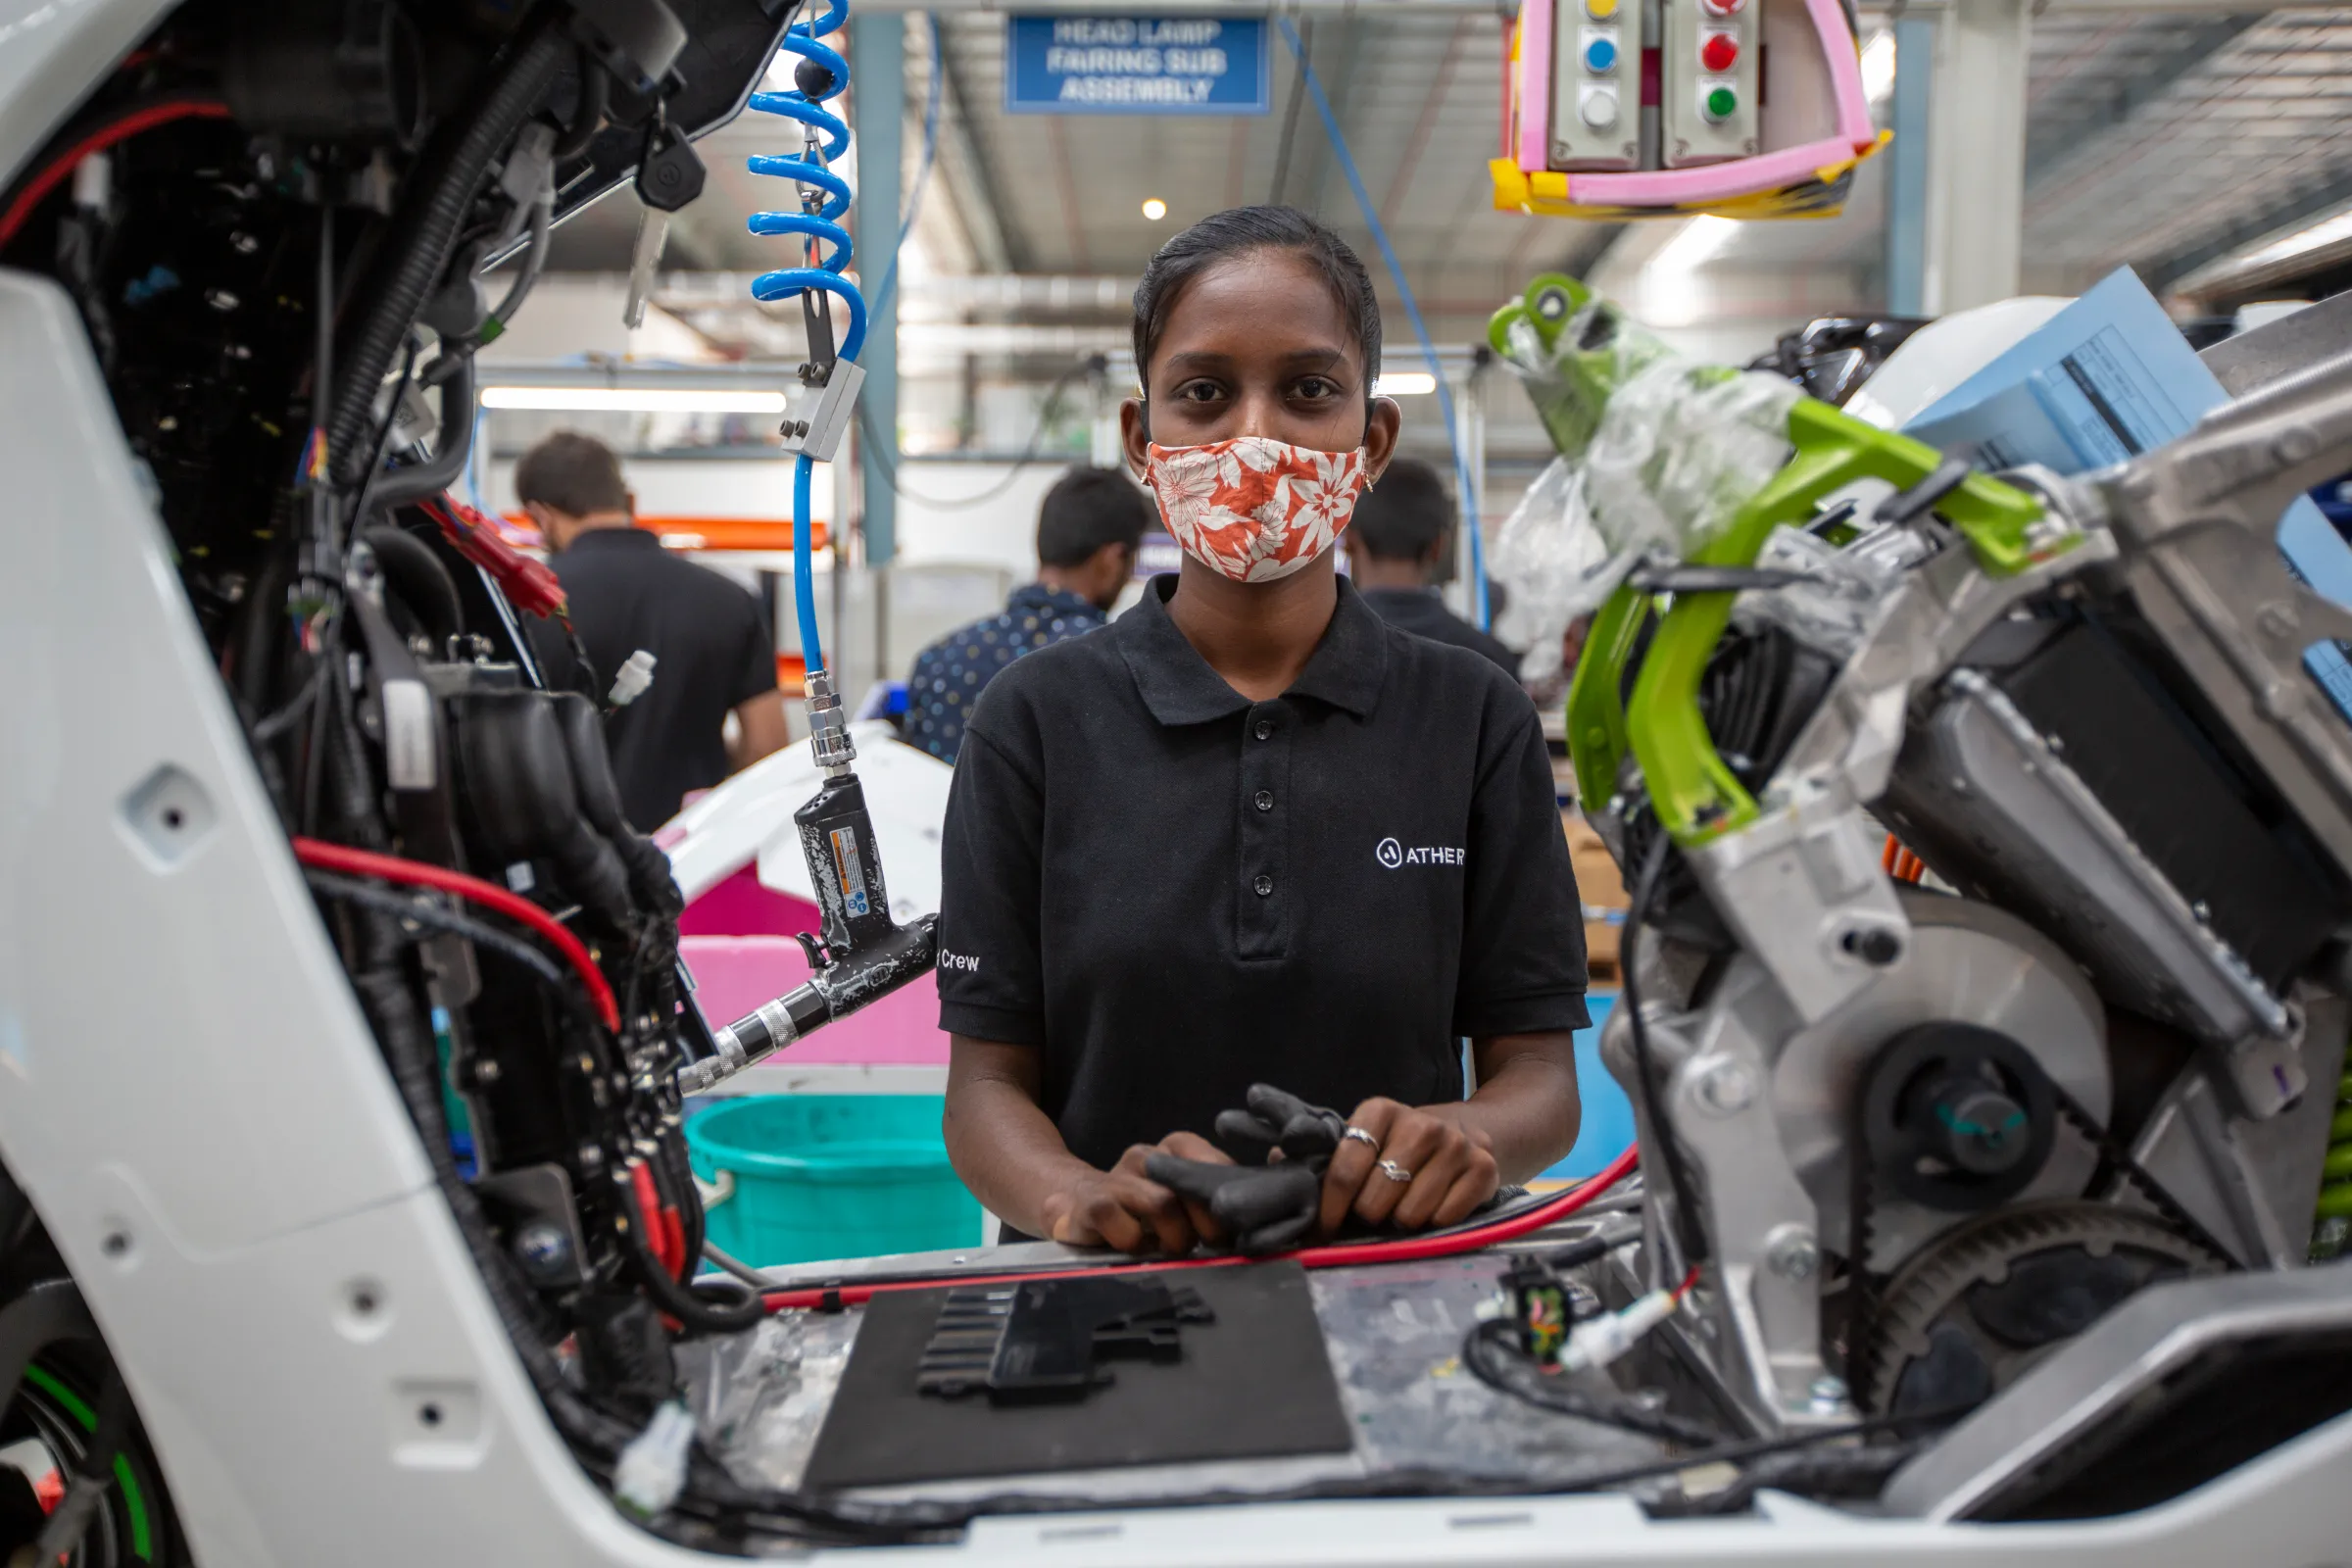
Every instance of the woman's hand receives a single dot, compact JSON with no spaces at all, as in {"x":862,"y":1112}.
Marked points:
{"x":1125,"y":1209}
{"x":1448,"y":1168}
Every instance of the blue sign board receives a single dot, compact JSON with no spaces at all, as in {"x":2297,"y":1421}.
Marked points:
{"x":1134,"y":65}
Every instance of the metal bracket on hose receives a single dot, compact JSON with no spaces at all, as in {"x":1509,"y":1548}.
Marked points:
{"x":816,"y":410}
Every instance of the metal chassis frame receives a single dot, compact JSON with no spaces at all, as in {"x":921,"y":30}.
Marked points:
{"x":2197,"y":522}
{"x":2127,"y":1352}
{"x":2188,"y":529}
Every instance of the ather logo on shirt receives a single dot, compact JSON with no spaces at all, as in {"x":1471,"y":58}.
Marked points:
{"x":1392,"y":855}
{"x":971,"y":964}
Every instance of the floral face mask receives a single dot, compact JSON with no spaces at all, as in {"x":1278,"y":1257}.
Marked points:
{"x":1254,"y":508}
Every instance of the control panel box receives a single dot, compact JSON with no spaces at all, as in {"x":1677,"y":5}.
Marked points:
{"x":1628,"y":108}
{"x":1711,"y":99}
{"x":1597,"y":84}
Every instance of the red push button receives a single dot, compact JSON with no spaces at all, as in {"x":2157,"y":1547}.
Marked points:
{"x":1720,"y":52}
{"x":1722,"y":7}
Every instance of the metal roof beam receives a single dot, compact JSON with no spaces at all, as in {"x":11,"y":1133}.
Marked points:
{"x":1340,"y":77}
{"x":2304,"y":205}
{"x":973,"y":186}
{"x":1292,"y":103}
{"x":947,"y":292}
{"x":2055,"y":137}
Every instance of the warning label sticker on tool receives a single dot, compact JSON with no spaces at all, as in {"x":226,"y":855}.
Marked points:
{"x":848,"y":872}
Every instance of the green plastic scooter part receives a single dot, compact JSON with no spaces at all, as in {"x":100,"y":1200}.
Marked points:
{"x":1692,"y":791}
{"x":1570,"y":384}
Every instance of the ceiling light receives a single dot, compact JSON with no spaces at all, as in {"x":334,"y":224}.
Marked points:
{"x":1156,"y":209}
{"x":1404,"y":384}
{"x":1699,"y":242}
{"x":632,"y":400}
{"x":1877,"y":66}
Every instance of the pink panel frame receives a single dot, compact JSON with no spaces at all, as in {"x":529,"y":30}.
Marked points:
{"x":1709,"y":182}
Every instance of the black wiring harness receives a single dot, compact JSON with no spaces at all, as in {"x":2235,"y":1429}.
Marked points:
{"x":1493,"y":1357}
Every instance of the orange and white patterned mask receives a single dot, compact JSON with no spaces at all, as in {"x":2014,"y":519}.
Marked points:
{"x":1254,"y":508}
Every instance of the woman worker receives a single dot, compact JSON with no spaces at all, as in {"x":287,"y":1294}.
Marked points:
{"x":1248,"y":832}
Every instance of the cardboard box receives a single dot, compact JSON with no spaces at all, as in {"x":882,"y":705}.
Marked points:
{"x":1598,"y":882}
{"x":1601,"y":951}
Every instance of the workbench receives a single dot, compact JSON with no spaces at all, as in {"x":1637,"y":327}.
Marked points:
{"x":1393,"y":1332}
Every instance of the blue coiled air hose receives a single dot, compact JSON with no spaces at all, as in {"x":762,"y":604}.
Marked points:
{"x":818,"y":225}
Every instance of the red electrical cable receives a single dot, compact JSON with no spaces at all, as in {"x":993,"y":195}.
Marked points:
{"x":664,"y":1231}
{"x":145,"y":118}
{"x":416,"y":873}
{"x":649,"y":1209}
{"x":529,"y":585}
{"x":1401,"y":1250}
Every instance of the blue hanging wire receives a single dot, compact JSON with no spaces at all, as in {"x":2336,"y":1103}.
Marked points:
{"x":820,"y":227}
{"x":1413,"y":312}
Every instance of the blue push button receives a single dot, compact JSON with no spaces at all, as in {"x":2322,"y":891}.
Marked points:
{"x":1600,"y":57}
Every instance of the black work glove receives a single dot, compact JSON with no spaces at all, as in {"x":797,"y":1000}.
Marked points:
{"x":1278,"y":1119}
{"x":1265,"y":1207}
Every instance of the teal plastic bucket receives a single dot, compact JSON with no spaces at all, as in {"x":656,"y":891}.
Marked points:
{"x":822,"y":1176}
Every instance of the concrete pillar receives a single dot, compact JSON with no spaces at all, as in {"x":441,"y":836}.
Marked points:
{"x":1907,"y":167}
{"x":1977,"y":154}
{"x":877,"y":118}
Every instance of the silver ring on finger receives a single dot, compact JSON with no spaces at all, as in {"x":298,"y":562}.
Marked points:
{"x":1395,"y":1172}
{"x":1358,"y":1135}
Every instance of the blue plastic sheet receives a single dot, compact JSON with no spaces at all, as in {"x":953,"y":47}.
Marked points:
{"x":2103,"y":380}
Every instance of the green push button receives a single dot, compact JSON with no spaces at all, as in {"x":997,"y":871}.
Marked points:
{"x":1722,"y":103}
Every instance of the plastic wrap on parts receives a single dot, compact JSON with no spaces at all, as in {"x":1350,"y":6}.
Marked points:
{"x":1675,"y":449}
{"x":1845,"y":589}
{"x":1570,"y":384}
{"x":1554,"y":567}
{"x":760,"y":1397}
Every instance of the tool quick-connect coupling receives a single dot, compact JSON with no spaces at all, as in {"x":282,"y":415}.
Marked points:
{"x":829,"y":726}
{"x":748,"y":1040}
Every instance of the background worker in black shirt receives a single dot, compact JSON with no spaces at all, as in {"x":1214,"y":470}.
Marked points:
{"x":1402,"y":531}
{"x":1249,"y":832}
{"x":712,"y":651}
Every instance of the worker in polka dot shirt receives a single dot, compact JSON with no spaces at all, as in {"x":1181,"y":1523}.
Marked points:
{"x":1087,"y":533}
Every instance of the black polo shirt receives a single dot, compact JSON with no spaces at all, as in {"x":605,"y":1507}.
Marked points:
{"x":1422,"y":613}
{"x":711,"y":647}
{"x":1174,"y":892}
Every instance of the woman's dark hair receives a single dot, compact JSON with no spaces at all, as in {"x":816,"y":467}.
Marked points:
{"x":1237,"y":232}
